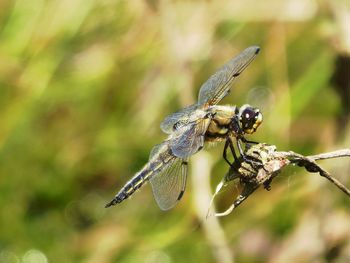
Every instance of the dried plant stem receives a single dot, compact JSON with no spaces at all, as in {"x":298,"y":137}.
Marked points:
{"x":268,"y":162}
{"x":330,"y":155}
{"x":324,"y":173}
{"x":334,"y":181}
{"x":309,"y":163}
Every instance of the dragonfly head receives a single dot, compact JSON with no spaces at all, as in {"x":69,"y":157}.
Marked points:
{"x":249,"y":118}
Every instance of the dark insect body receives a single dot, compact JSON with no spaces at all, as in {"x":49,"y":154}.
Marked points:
{"x":190,"y":128}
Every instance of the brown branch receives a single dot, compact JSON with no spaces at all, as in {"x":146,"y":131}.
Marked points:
{"x":267,"y":164}
{"x":329,"y":155}
{"x":311,"y":166}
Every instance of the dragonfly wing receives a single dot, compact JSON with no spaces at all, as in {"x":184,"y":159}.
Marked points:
{"x":169,"y":184}
{"x":219,"y":84}
{"x":176,"y":119}
{"x":156,"y":149}
{"x":189,"y":139}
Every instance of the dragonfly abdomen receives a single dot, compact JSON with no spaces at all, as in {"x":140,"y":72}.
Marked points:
{"x":130,"y":187}
{"x":151,"y":168}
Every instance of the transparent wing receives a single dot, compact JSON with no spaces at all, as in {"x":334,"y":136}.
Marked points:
{"x":179,"y":118}
{"x":156,"y":149}
{"x":169,"y":185}
{"x":219,"y":84}
{"x":189,"y":139}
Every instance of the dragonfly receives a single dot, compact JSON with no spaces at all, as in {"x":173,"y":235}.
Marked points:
{"x":190,"y":129}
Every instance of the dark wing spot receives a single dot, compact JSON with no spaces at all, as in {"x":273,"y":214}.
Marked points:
{"x":180,"y":195}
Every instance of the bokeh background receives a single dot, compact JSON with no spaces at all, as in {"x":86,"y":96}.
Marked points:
{"x":84,"y":86}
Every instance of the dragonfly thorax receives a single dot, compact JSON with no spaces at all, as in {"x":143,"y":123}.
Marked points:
{"x":221,"y":122}
{"x":233,"y":121}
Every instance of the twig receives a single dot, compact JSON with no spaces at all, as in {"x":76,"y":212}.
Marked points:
{"x":311,"y":166}
{"x":267,"y":165}
{"x":329,"y":155}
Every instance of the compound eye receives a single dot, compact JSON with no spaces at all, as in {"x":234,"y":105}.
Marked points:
{"x":248,"y":114}
{"x":250,"y":119}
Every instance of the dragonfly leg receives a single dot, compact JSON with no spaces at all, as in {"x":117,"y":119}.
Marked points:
{"x":239,"y":146}
{"x":224,"y":154}
{"x":232,"y":148}
{"x":236,"y":161}
{"x":247,"y":141}
{"x":247,"y":159}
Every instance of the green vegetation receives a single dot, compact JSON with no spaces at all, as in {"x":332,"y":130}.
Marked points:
{"x":84,"y":86}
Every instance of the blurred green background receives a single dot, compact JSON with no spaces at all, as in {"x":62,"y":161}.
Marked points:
{"x":84,"y":86}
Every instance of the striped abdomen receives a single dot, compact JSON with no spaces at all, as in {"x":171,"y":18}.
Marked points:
{"x":158,"y":161}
